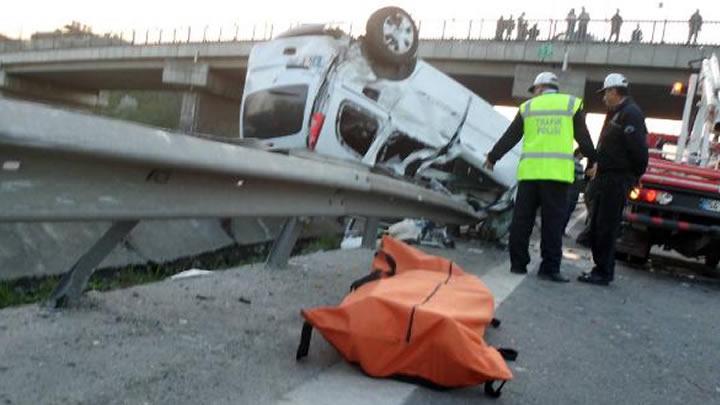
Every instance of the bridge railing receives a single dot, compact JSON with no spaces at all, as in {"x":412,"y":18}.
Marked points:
{"x":653,"y":32}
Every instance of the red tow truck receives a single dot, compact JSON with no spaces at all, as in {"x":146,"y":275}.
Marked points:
{"x":677,"y":203}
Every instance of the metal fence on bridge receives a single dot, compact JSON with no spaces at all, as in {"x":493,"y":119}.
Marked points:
{"x":653,"y":32}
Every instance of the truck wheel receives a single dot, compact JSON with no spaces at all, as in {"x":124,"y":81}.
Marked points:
{"x":638,"y":260}
{"x":633,"y":247}
{"x":391,"y":37}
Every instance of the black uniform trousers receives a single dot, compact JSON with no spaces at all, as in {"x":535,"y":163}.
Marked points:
{"x":551,"y":198}
{"x":610,"y":198}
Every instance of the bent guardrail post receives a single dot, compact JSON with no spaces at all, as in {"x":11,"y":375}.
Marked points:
{"x":369,"y":238}
{"x":74,"y":281}
{"x":284,"y":244}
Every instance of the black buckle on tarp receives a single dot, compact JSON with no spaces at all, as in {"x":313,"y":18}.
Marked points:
{"x":305,"y":336}
{"x":493,"y":392}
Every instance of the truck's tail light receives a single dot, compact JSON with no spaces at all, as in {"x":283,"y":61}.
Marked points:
{"x":316,"y":124}
{"x":650,"y":196}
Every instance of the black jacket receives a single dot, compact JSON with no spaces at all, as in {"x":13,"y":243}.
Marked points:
{"x":513,"y":134}
{"x":622,"y":147}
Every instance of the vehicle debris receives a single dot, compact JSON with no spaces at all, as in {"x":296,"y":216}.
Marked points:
{"x":190,"y":273}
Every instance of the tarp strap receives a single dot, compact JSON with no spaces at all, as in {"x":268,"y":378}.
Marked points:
{"x":493,"y":392}
{"x":376,"y":274}
{"x":305,"y":336}
{"x":389,"y":259}
{"x":366,"y":279}
{"x":508,"y":354}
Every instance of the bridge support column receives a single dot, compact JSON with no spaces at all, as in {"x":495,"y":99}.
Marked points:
{"x":210,"y":114}
{"x":211,"y":103}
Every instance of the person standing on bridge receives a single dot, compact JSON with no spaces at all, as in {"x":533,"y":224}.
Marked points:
{"x":548,"y":124}
{"x":500,"y":29}
{"x":583,"y":20}
{"x":637,"y":35}
{"x":695,"y":24}
{"x":522,"y":27}
{"x":571,"y":20}
{"x":533,"y":33}
{"x":623,"y":158}
{"x":509,"y":27}
{"x":615,"y":24}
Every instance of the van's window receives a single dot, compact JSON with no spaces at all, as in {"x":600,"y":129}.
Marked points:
{"x":371,"y":93}
{"x":275,"y":112}
{"x":357,"y":128}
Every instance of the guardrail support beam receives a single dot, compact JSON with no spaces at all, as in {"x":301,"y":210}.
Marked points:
{"x":74,"y":281}
{"x":284,"y":244}
{"x":369,"y":238}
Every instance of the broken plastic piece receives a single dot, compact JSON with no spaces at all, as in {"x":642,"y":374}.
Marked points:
{"x":190,"y":273}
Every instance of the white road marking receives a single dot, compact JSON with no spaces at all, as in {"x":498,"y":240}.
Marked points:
{"x":344,"y":384}
{"x":577,"y":219}
{"x":501,"y":282}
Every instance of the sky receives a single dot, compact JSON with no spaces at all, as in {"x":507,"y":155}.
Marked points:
{"x":28,"y":16}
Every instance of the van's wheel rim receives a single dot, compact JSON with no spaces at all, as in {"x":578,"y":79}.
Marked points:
{"x":398,"y":31}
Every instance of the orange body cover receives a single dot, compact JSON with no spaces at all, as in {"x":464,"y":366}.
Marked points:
{"x":425,"y":321}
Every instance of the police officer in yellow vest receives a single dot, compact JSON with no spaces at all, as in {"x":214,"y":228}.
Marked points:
{"x":548,"y":124}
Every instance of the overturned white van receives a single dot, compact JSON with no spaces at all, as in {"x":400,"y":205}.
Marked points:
{"x":372,"y":100}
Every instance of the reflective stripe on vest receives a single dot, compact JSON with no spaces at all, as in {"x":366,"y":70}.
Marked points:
{"x":548,"y":138}
{"x":548,"y":155}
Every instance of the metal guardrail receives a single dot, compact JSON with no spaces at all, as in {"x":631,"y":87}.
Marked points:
{"x":64,"y":166}
{"x":653,"y":32}
{"x":60,"y":165}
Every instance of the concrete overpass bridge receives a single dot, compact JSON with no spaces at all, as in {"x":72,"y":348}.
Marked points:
{"x":211,"y":75}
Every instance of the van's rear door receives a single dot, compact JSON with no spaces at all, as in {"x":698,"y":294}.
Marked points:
{"x":282,"y":81}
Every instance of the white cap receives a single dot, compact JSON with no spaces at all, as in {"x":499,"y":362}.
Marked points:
{"x":545,"y":79}
{"x":614,"y":80}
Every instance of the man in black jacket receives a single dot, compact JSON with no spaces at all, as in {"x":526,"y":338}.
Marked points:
{"x":623,"y":158}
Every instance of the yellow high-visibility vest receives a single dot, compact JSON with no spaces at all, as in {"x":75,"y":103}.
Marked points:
{"x":548,"y":137}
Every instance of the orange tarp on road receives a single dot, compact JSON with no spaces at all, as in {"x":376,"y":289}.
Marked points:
{"x":418,"y":316}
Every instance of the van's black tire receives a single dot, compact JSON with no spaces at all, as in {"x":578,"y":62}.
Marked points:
{"x":393,"y":72}
{"x":400,"y":50}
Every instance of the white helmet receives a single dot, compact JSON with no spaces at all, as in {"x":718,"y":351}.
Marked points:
{"x":614,"y":80}
{"x":545,"y":79}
